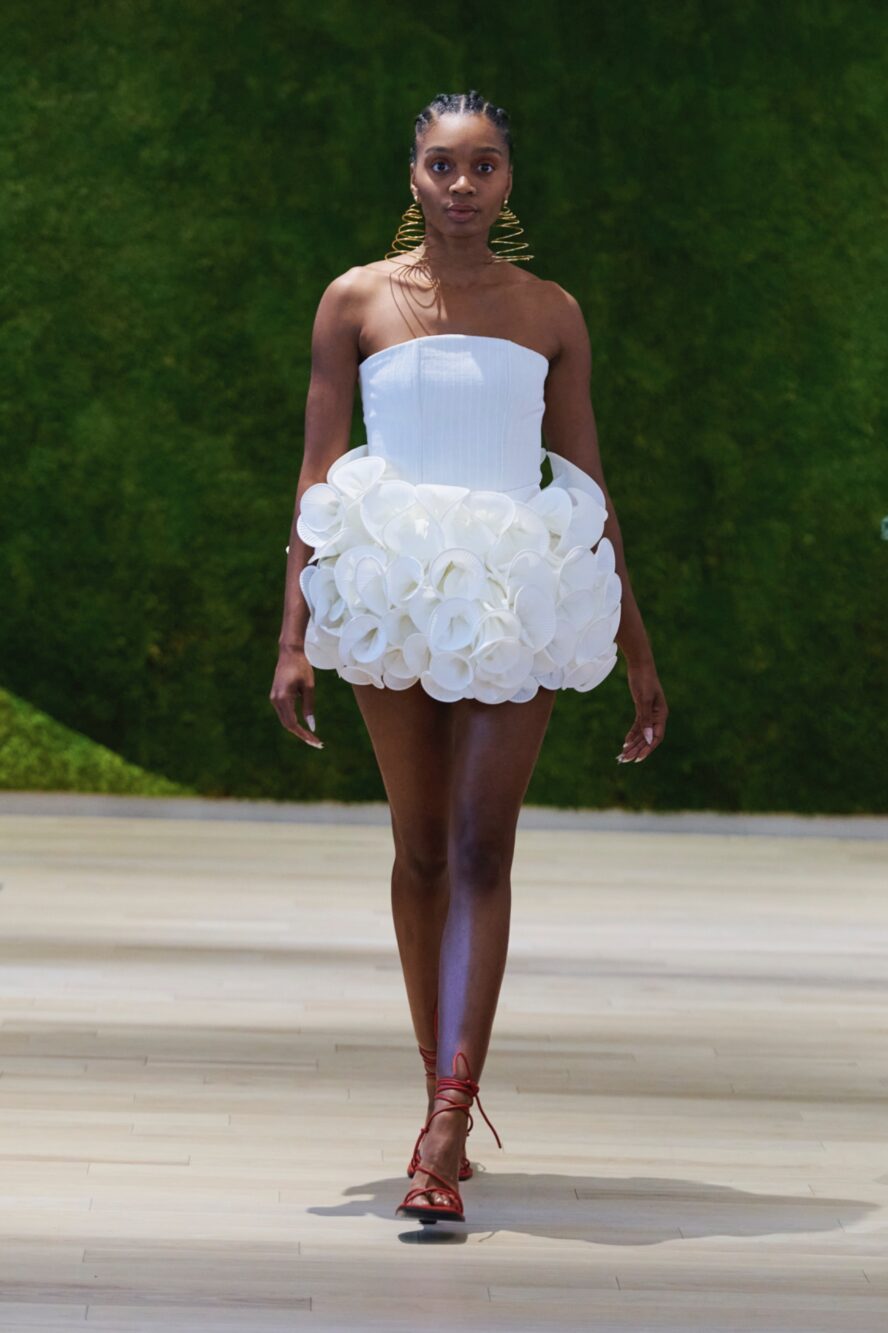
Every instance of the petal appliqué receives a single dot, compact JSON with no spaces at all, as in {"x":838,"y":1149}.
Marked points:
{"x":320,"y":513}
{"x":382,"y":502}
{"x":536,"y":612}
{"x":353,"y":477}
{"x":362,"y":641}
{"x":450,"y":670}
{"x":452,"y":624}
{"x":457,"y":572}
{"x":414,"y":532}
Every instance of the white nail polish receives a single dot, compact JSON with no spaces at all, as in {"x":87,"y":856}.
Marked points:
{"x":309,"y":717}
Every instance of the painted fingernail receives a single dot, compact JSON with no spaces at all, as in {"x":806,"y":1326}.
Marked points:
{"x":639,"y":759}
{"x":309,"y":717}
{"x":649,"y":734}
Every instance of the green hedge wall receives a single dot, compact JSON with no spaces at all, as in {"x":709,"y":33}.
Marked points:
{"x":183,"y":180}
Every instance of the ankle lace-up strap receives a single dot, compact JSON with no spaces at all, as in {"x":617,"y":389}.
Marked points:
{"x":466,"y":1085}
{"x":430,"y":1059}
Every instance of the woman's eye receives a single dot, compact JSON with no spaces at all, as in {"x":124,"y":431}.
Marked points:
{"x":439,"y":162}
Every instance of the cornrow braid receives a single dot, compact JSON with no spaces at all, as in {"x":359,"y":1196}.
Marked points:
{"x":471,"y":103}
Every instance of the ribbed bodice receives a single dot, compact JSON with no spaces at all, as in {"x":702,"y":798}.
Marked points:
{"x":457,"y":408}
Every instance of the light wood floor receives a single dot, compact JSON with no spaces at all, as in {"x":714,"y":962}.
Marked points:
{"x":210,"y":1088}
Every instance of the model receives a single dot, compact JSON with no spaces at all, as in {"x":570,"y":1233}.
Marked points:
{"x":431,"y":569}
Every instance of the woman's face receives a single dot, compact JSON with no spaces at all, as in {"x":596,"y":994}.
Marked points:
{"x":462,"y":174}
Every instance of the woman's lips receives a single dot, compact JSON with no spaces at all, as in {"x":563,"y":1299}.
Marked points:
{"x":461,"y":212}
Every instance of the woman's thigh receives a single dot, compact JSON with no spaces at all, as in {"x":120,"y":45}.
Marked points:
{"x":411,"y":733}
{"x":455,"y":774}
{"x":493,"y":753}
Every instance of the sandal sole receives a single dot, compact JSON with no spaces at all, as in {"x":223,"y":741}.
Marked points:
{"x":429,"y":1215}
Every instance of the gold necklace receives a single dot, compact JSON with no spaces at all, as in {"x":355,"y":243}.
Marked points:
{"x":421,"y":267}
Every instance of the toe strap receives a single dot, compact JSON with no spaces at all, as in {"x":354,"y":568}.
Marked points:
{"x":444,"y":1187}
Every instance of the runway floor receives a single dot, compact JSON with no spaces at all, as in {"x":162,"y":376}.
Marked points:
{"x":210,"y":1088}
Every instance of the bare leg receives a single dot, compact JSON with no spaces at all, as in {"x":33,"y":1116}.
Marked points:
{"x":495,"y":748}
{"x":411,"y":736}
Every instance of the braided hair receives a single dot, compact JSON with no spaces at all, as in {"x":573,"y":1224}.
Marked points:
{"x":461,"y":104}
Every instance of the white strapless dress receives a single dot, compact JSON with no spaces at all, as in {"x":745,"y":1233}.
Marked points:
{"x":438,"y":555}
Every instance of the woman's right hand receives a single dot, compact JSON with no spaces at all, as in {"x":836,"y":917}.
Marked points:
{"x":294,"y":676}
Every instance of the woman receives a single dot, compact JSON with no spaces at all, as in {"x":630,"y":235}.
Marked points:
{"x":431,"y":569}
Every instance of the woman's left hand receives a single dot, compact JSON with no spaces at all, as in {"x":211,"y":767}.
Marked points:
{"x":649,"y":727}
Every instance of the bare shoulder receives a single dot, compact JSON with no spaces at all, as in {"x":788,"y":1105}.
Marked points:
{"x":567,"y":322}
{"x":349,"y":295}
{"x":386,"y":266}
{"x":553,"y":312}
{"x":337,"y":323}
{"x":550,"y":316}
{"x":343,"y":294}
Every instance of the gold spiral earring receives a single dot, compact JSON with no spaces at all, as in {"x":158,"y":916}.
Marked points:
{"x":411,"y":232}
{"x":508,"y":242}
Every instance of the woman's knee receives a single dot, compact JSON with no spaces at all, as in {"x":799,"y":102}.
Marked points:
{"x":422,"y":856}
{"x":480,"y":862}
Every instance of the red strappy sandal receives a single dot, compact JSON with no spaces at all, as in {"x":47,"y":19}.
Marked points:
{"x":430,"y":1061}
{"x":452,"y":1211}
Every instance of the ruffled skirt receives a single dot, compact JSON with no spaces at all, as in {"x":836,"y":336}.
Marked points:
{"x":473,"y":593}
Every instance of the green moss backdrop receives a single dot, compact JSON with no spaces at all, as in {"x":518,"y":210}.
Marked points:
{"x":182,"y":180}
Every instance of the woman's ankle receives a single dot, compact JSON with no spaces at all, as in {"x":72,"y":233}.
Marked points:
{"x":453,"y":1124}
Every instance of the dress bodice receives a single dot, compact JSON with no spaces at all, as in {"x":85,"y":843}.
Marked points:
{"x":458,"y":409}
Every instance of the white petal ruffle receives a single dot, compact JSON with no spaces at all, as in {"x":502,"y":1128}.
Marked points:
{"x":473,"y":593}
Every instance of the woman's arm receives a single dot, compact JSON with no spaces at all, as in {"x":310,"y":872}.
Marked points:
{"x":569,"y":429}
{"x":329,"y":406}
{"x":328,"y":417}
